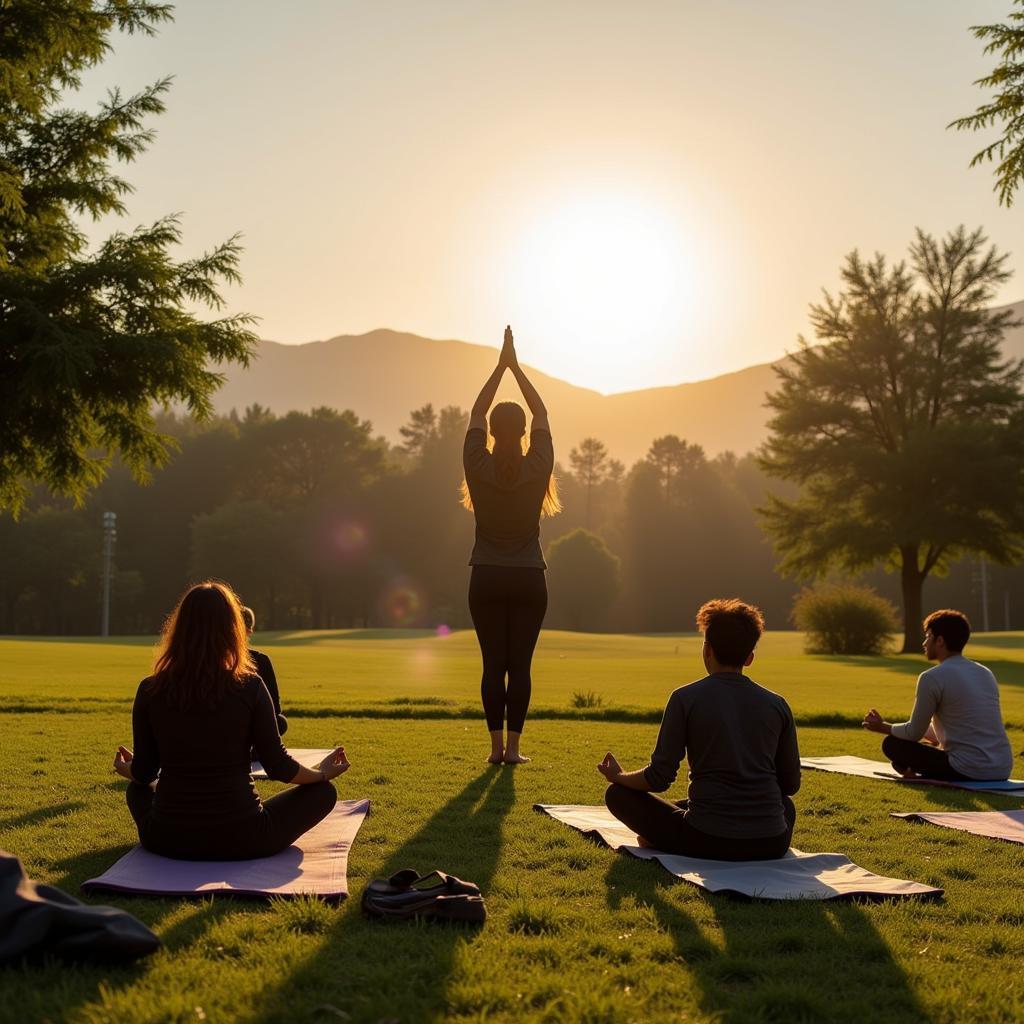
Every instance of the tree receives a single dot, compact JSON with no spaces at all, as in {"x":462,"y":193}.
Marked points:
{"x":904,"y":430}
{"x":672,"y":458}
{"x":589,"y":465}
{"x":584,"y":580}
{"x":1006,"y":108}
{"x":420,"y":430}
{"x":89,"y":341}
{"x":252,"y":545}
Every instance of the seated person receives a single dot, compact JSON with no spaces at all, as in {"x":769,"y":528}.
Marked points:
{"x":265,"y":670}
{"x":740,"y":740}
{"x":956,"y":713}
{"x":195,"y":720}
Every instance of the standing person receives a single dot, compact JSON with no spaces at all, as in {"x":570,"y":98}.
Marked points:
{"x":956,"y":709}
{"x":264,"y":669}
{"x":508,"y":490}
{"x":194,"y":721}
{"x":740,"y":740}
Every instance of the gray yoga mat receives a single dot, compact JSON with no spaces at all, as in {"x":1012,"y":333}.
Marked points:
{"x":306,"y":756}
{"x":797,"y":876}
{"x":865,"y":769}
{"x":317,"y":865}
{"x":1008,"y":825}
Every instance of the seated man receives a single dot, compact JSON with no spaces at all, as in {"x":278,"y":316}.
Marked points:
{"x":265,"y":670}
{"x":740,"y":740}
{"x":956,"y":709}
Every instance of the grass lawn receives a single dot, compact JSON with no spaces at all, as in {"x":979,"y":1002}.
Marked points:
{"x":576,"y":933}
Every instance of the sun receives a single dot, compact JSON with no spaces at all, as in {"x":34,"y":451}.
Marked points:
{"x":602,"y":281}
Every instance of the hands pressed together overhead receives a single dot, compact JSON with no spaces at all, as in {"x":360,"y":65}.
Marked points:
{"x":508,"y":351}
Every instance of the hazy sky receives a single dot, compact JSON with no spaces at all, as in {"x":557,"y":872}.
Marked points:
{"x":650,"y":192}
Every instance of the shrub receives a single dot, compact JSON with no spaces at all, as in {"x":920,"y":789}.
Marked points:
{"x":844,"y":619}
{"x":586,"y":700}
{"x":583,"y":580}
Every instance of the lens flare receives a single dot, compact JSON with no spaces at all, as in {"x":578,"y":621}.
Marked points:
{"x":443,"y":630}
{"x":350,"y":538}
{"x":401,"y":604}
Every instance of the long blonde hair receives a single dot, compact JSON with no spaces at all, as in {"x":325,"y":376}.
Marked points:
{"x":510,"y":421}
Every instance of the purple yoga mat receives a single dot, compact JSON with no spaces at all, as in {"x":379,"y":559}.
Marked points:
{"x":1008,"y":825}
{"x":317,"y":865}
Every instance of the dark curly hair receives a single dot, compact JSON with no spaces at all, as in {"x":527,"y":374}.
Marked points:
{"x":732,"y":628}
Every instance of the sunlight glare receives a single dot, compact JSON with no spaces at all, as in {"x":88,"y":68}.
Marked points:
{"x":604,"y":280}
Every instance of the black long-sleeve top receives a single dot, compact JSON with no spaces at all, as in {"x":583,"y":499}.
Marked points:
{"x":740,"y":740}
{"x":265,"y":670}
{"x":203,"y":755}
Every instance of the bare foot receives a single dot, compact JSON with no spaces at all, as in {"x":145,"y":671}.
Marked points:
{"x":498,"y":758}
{"x":514,"y":757}
{"x":645,"y":843}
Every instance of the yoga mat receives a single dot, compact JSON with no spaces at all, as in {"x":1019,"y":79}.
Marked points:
{"x":797,"y":876}
{"x":866,"y":769}
{"x":1008,"y":825}
{"x":316,"y":865}
{"x":307,"y":757}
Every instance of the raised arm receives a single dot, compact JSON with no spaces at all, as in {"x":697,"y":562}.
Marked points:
{"x":478,"y":414}
{"x":533,"y":400}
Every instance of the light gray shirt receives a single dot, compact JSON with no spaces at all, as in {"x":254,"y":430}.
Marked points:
{"x":960,"y":700}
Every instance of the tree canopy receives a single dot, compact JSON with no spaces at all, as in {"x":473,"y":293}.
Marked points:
{"x":1006,"y":107}
{"x":91,"y":340}
{"x":904,"y":428}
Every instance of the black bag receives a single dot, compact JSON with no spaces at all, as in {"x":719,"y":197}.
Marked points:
{"x":37,"y":919}
{"x":403,"y":897}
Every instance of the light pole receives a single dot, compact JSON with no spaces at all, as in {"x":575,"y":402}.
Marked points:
{"x":109,"y":536}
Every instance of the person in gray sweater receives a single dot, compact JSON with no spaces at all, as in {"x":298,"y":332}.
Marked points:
{"x":955,"y":731}
{"x":740,"y":740}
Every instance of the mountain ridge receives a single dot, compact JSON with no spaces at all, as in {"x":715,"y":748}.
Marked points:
{"x":382,"y":375}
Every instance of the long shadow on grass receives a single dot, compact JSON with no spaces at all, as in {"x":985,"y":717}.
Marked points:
{"x":373,"y":970}
{"x":40,"y":814}
{"x":786,"y":962}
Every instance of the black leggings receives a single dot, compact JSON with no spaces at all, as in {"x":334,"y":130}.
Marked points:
{"x":508,"y":605}
{"x":281,"y":821}
{"x":665,"y":827}
{"x":920,"y":757}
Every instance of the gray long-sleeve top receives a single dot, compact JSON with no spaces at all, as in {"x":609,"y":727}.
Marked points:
{"x":960,"y":699}
{"x":740,"y":740}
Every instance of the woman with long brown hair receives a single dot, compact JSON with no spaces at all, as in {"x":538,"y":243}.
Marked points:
{"x":508,"y":490}
{"x":195,"y":722}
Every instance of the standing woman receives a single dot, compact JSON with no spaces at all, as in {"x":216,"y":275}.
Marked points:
{"x":509,"y":490}
{"x":195,"y":721}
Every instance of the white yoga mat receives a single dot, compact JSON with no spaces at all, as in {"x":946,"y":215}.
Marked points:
{"x":797,"y":876}
{"x":865,"y":769}
{"x":306,"y":756}
{"x":1008,"y":825}
{"x":317,"y":865}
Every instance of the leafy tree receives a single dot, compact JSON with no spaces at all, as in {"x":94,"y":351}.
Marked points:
{"x":420,"y":430}
{"x":252,"y":545}
{"x":904,"y":430}
{"x":89,"y":341}
{"x":584,"y":580}
{"x":590,"y":466}
{"x":1006,"y":108}
{"x":310,"y":456}
{"x":673,"y":458}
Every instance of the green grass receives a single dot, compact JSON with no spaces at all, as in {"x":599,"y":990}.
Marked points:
{"x":576,"y":933}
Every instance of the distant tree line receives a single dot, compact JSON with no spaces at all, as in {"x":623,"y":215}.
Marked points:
{"x":321,"y":524}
